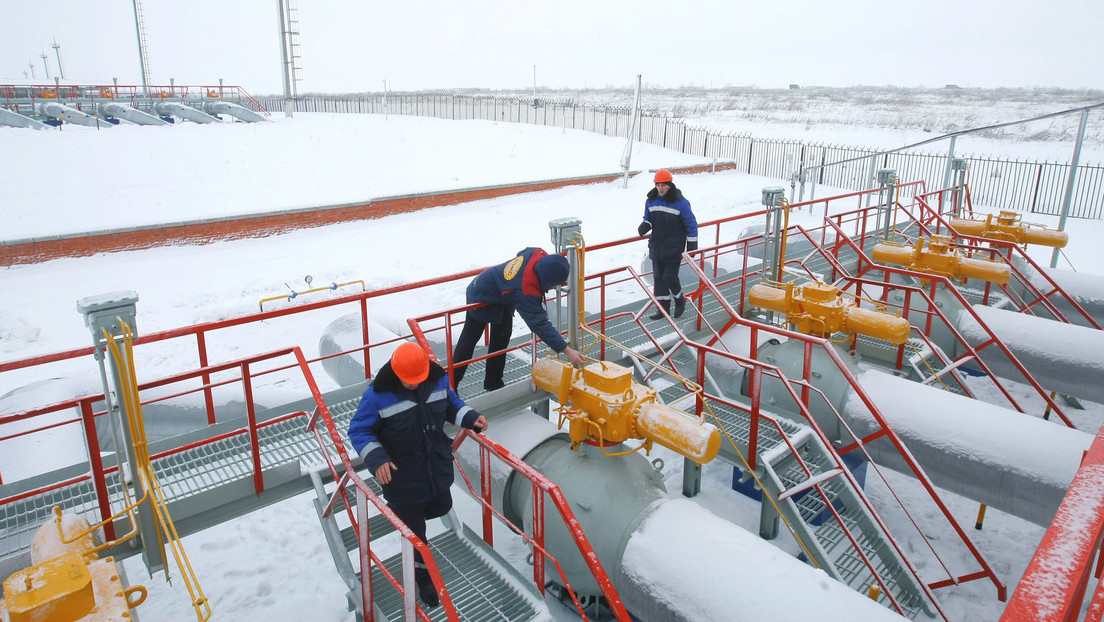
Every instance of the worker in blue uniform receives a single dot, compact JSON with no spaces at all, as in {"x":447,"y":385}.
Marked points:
{"x":668,"y":216}
{"x":398,"y":431}
{"x":519,"y":284}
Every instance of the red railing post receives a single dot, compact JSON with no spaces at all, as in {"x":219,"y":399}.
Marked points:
{"x":254,"y":437}
{"x":538,"y":535}
{"x":208,"y":396}
{"x":755,"y":384}
{"x":485,"y":490}
{"x":95,"y":463}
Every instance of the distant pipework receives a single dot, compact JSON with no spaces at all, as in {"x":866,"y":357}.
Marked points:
{"x":1008,"y":228}
{"x":942,"y":259}
{"x":608,"y":408}
{"x":818,"y":309}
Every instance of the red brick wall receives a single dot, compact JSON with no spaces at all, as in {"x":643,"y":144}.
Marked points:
{"x":261,"y":225}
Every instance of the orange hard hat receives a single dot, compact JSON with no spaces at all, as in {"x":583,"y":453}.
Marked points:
{"x":663,"y":176}
{"x":410,"y":363}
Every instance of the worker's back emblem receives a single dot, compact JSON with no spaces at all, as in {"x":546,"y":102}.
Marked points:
{"x":512,"y":268}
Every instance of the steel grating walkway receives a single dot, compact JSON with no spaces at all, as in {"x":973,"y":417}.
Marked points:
{"x":207,"y":478}
{"x":482,"y":585}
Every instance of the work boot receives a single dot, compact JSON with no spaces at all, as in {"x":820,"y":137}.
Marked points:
{"x":428,"y":594}
{"x":658,"y":315}
{"x":426,"y":590}
{"x":680,"y":306}
{"x":493,"y":385}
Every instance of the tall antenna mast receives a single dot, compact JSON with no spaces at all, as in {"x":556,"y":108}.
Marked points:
{"x":44,"y":65}
{"x":292,"y":62}
{"x":57,"y":50}
{"x":143,"y":53}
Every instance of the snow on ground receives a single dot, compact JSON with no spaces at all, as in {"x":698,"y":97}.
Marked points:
{"x":273,"y":564}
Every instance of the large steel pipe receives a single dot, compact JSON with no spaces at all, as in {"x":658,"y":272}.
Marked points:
{"x":1062,"y":357}
{"x":658,"y":552}
{"x":61,"y":112}
{"x":1087,"y":290}
{"x":1015,"y":463}
{"x":174,"y":109}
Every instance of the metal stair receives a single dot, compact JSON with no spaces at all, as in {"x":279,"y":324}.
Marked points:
{"x":825,"y":538}
{"x":482,"y":585}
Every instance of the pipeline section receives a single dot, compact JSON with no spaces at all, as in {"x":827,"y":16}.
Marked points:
{"x":1066,"y":358}
{"x":1015,"y":463}
{"x":666,"y":557}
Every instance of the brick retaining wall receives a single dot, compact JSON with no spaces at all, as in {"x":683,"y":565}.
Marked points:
{"x":30,"y":251}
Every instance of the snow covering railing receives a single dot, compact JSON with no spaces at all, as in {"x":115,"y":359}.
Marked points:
{"x":933,"y":313}
{"x":886,"y":430}
{"x":1053,"y":586}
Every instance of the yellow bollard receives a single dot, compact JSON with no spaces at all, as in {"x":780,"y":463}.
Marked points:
{"x":980,"y":518}
{"x":874,"y":592}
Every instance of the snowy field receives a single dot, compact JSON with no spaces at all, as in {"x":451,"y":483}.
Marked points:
{"x":131,"y":175}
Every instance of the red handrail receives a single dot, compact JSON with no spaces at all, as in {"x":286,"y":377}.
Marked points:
{"x":1054,"y":584}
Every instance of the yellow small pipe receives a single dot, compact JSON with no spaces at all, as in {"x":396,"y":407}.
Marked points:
{"x":295,"y":294}
{"x":980,"y":518}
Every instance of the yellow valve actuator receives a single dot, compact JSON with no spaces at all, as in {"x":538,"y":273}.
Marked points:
{"x":941,"y":258}
{"x":1008,"y":228}
{"x":817,"y":309}
{"x":614,"y":408}
{"x":68,"y":582}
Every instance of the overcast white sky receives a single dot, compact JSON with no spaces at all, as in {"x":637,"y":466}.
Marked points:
{"x":354,"y":45}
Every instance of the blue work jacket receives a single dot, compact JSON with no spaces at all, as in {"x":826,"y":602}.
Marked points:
{"x":514,"y":285}
{"x":672,"y":223}
{"x":406,"y":427}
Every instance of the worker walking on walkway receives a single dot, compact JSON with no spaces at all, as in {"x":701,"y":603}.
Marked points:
{"x":398,"y":431}
{"x":668,"y":216}
{"x":520,"y":284}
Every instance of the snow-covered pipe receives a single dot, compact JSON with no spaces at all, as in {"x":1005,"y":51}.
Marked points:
{"x":130,"y":113}
{"x":58,"y":110}
{"x":1087,"y":290}
{"x":174,"y":109}
{"x":1062,"y":357}
{"x":669,"y":559}
{"x":1018,"y":464}
{"x":14,"y":119}
{"x":233,"y":110}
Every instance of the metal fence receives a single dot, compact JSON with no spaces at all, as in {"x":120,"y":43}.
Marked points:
{"x":1029,"y":187}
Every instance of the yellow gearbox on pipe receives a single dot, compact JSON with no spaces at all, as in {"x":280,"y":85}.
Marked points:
{"x":612,"y":408}
{"x":818,"y":309}
{"x":68,"y":581}
{"x":1008,"y":228}
{"x":941,"y":258}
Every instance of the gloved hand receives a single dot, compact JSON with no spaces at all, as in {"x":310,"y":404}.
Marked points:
{"x":691,"y":246}
{"x":644,"y":228}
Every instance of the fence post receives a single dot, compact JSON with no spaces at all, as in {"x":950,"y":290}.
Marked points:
{"x":1071,"y":183}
